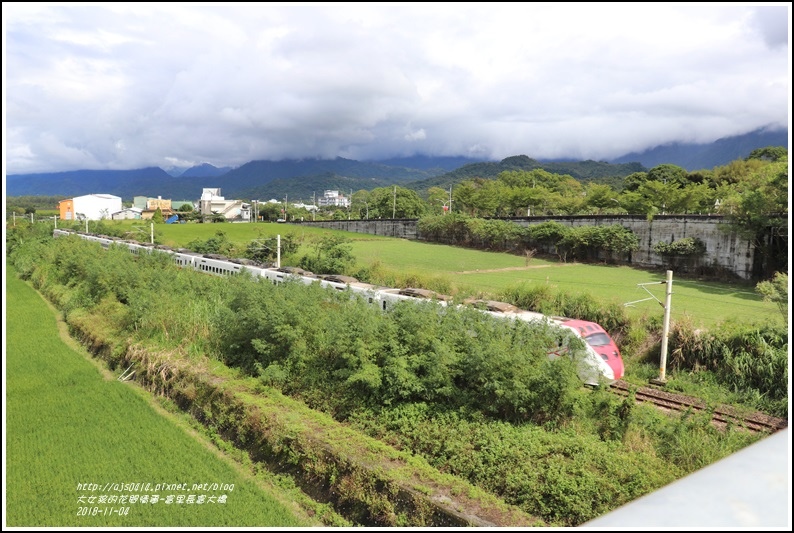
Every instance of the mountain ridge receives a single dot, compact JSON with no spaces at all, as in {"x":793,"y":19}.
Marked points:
{"x":308,"y":177}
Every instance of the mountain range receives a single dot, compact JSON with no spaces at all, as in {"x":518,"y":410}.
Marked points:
{"x":305,"y":178}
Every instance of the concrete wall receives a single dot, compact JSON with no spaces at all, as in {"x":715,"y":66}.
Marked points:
{"x":725,"y":250}
{"x":401,"y":228}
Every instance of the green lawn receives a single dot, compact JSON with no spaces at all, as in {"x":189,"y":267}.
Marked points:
{"x":66,"y":425}
{"x":705,"y":302}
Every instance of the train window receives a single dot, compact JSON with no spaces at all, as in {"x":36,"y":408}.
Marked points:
{"x":598,"y":339}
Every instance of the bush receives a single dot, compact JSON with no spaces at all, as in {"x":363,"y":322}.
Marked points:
{"x":685,"y":247}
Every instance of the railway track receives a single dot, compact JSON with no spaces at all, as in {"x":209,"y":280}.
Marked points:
{"x":721,"y":415}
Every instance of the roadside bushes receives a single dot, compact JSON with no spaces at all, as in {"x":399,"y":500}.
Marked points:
{"x":751,"y":360}
{"x":579,"y":242}
{"x":338,"y":353}
{"x":565,"y":477}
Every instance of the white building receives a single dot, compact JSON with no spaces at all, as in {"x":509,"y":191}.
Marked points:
{"x":333,"y":198}
{"x":90,"y":206}
{"x":212,"y":202}
{"x":127,"y":214}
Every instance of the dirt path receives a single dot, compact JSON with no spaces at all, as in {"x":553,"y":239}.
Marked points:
{"x":485,"y":271}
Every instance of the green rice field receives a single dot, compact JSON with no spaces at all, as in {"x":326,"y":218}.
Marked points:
{"x":84,"y":449}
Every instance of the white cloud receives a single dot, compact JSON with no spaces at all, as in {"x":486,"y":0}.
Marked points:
{"x":231,"y":83}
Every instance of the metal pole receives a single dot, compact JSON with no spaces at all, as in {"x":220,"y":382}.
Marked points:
{"x":666,"y":328}
{"x":278,"y":251}
{"x":55,"y":219}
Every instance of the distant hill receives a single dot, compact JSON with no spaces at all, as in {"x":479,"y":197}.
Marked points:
{"x":707,"y":156}
{"x":583,"y":171}
{"x":305,"y":177}
{"x":437,"y":165}
{"x":305,"y":188}
{"x":299,"y":177}
{"x":204,"y":170}
{"x":124,"y":183}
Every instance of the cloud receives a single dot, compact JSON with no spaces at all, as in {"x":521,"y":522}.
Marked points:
{"x":129,"y":85}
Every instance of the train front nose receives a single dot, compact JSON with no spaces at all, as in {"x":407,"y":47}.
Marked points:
{"x":615,"y":362}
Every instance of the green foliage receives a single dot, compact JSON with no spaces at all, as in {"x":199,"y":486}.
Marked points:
{"x":219,"y":244}
{"x":588,"y":242}
{"x":582,"y":242}
{"x":747,"y":359}
{"x":157,"y":217}
{"x":31,"y":204}
{"x":564,"y":477}
{"x":265,"y":249}
{"x":769,"y":153}
{"x":776,"y":290}
{"x":475,"y":396}
{"x":686,"y":247}
{"x":395,"y":202}
{"x":332,"y":255}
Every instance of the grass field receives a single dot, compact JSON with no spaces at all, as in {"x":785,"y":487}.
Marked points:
{"x":68,"y":424}
{"x":706,"y":303}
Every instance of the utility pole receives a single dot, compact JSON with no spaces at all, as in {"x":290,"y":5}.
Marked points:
{"x":662,"y":379}
{"x":665,"y":330}
{"x":278,"y":251}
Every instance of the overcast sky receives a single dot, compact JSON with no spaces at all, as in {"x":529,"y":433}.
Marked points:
{"x":121,"y":86}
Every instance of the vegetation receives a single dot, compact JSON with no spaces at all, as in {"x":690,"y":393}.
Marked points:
{"x":474,"y":397}
{"x":406,"y":377}
{"x":776,"y":290}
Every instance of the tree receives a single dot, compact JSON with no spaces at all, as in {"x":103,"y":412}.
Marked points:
{"x":769,"y":153}
{"x":333,"y":255}
{"x":600,"y":197}
{"x":157,"y":218}
{"x":396,"y":202}
{"x":437,"y":198}
{"x":668,"y":173}
{"x":218,"y":244}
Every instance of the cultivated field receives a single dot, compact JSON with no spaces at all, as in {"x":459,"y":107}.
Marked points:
{"x":71,"y":423}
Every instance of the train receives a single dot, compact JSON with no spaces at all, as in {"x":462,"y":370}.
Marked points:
{"x":602,"y":363}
